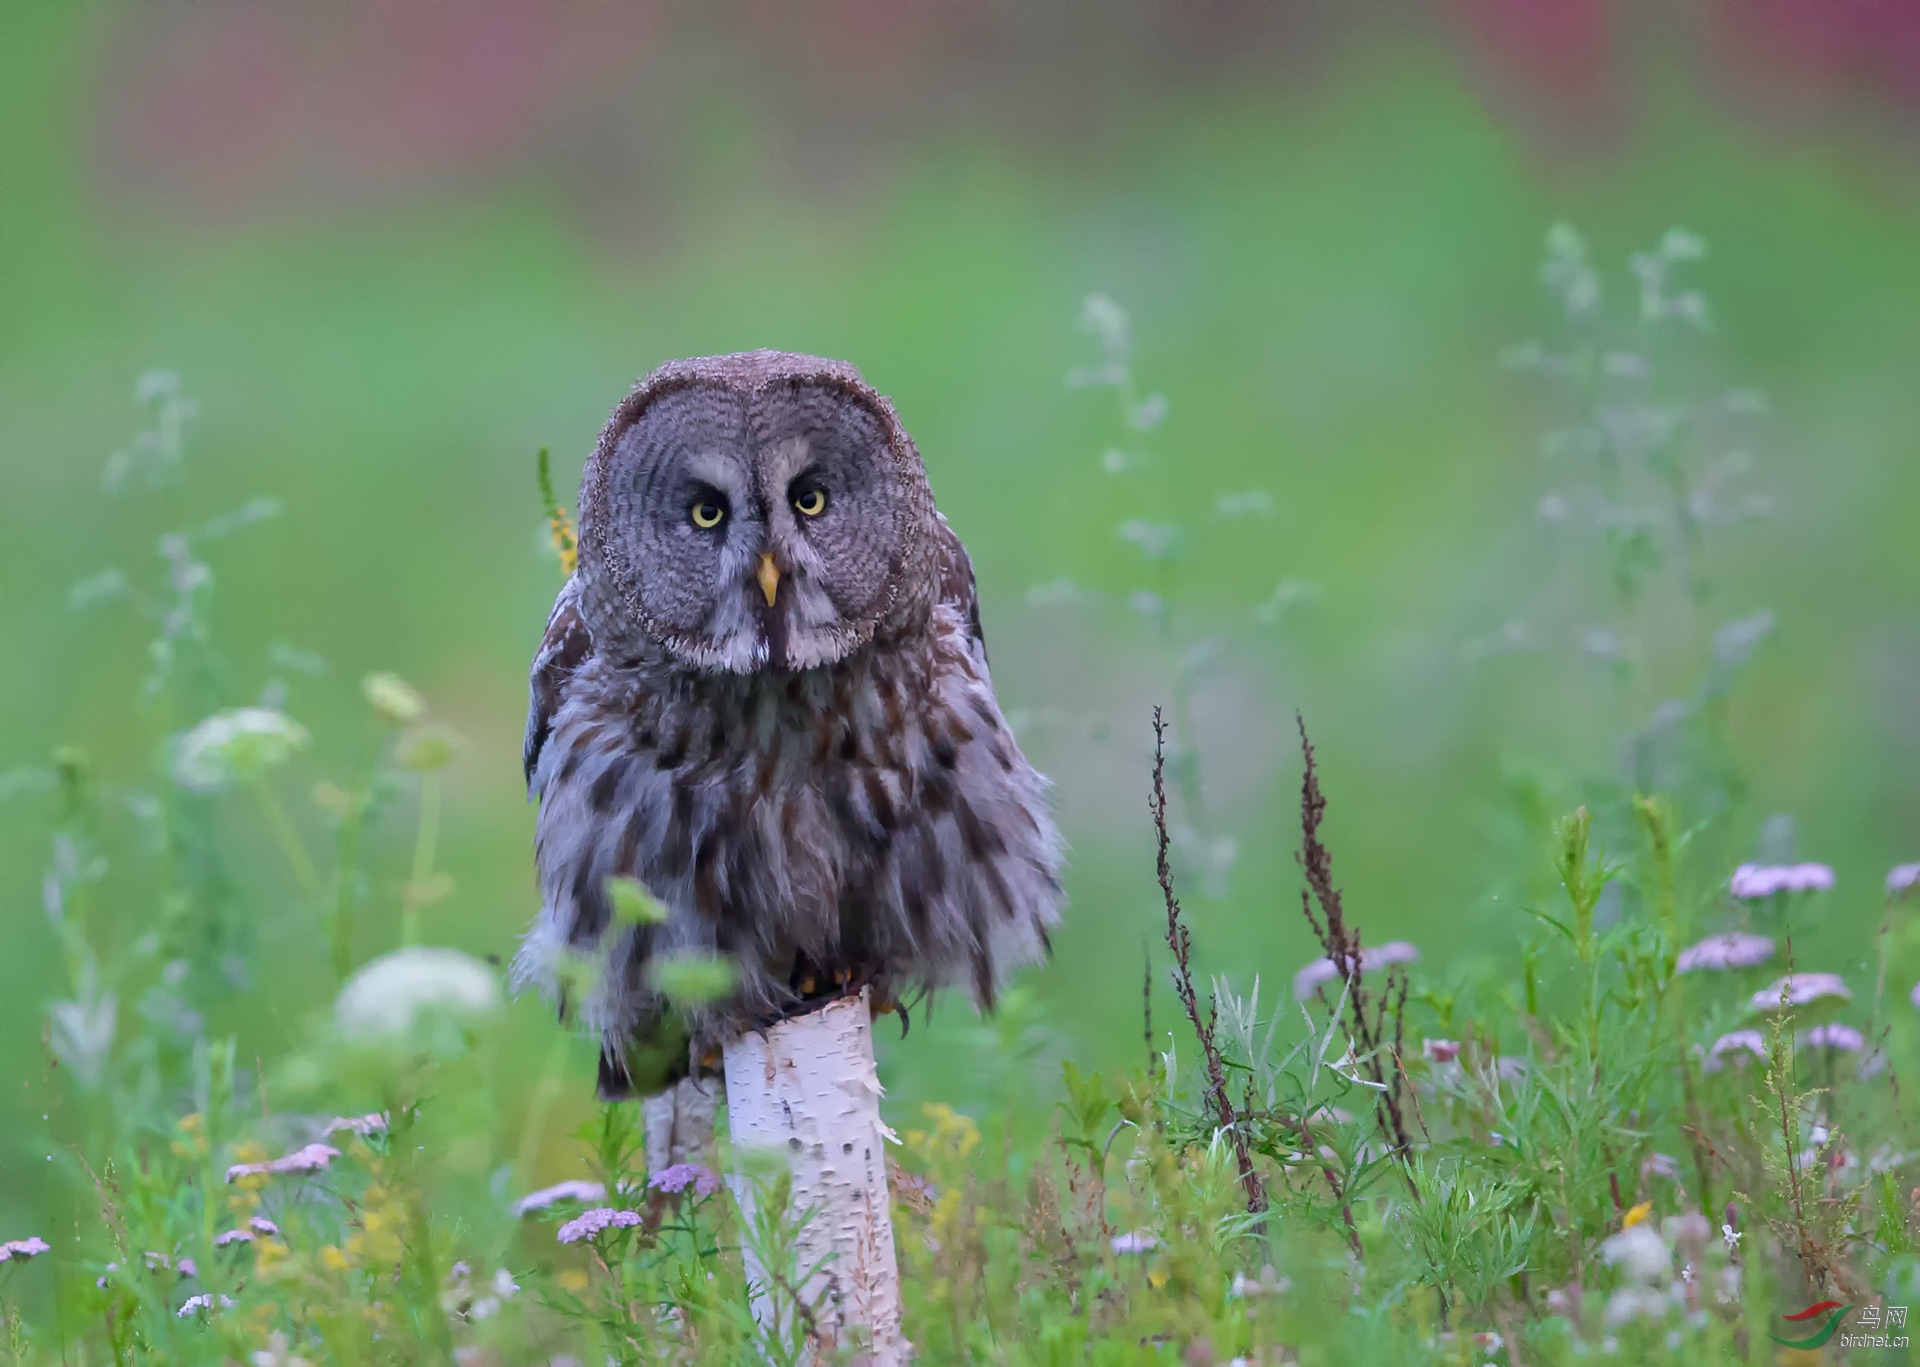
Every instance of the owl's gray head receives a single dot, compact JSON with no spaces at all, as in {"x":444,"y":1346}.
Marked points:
{"x":761,"y":510}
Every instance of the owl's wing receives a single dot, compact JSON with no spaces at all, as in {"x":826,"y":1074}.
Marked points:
{"x":565,"y":645}
{"x":956,"y":584}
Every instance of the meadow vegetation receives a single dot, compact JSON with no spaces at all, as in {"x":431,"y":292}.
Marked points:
{"x":1645,"y":1136}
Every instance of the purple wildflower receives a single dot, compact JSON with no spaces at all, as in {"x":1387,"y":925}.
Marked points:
{"x":1309,"y":979}
{"x":1753,"y":882}
{"x":260,"y":1224}
{"x":594,"y":1221}
{"x":1810,"y":878}
{"x":1659,"y":1165}
{"x":1741,"y":1044}
{"x":560,"y":1191}
{"x":309,"y":1159}
{"x":683,"y":1175}
{"x":1441,"y":1050}
{"x":1902,"y":879}
{"x":362,"y":1125}
{"x":233,"y":1236}
{"x":1801,"y":989}
{"x":1834,"y":1036}
{"x":1392,"y":952}
{"x":1138,"y":1241}
{"x":1322,"y":970}
{"x":1735,"y":949}
{"x":23,"y":1249}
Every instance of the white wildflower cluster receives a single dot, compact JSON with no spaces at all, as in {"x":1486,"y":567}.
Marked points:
{"x":389,"y":998}
{"x":202,"y":1304}
{"x":396,"y":700}
{"x":236,"y":746}
{"x":473,"y":1302}
{"x":1651,"y":1289}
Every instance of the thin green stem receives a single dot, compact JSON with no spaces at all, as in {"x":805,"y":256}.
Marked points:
{"x":539,"y":1106}
{"x":426,"y":838}
{"x":290,"y":844}
{"x":346,"y":864}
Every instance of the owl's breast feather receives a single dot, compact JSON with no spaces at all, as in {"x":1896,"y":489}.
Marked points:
{"x":876,"y":814}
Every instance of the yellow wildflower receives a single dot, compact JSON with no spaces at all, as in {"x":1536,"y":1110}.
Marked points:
{"x":252,"y":1151}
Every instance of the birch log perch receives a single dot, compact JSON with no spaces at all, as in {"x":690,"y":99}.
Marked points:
{"x":808,"y":1089}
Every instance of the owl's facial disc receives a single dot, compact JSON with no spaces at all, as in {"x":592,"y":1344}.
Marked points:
{"x":832,"y":513}
{"x":760,"y":530}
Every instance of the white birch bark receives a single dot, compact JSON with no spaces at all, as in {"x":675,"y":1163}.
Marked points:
{"x":807,"y":1088}
{"x":678,"y":1123}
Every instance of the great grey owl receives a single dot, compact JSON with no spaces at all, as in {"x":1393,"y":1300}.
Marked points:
{"x":764,"y":695}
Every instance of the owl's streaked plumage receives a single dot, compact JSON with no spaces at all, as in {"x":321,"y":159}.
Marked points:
{"x":764,"y":694}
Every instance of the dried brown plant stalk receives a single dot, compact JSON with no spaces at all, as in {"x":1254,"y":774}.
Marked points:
{"x":1216,"y":1098}
{"x":1378,"y":1028}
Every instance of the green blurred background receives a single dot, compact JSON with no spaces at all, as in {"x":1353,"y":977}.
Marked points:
{"x":394,"y":249}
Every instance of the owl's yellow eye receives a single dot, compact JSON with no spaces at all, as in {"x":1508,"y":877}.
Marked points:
{"x":707,"y":515}
{"x":812,"y":503}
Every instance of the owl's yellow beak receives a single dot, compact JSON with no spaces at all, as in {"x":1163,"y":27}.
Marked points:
{"x":769,"y":576}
